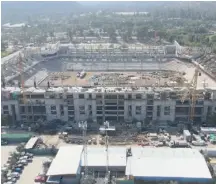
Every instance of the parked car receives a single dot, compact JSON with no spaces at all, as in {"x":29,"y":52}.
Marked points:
{"x":24,"y":161}
{"x":30,"y":155}
{"x":10,"y":182}
{"x":19,"y":165}
{"x":15,"y":175}
{"x":18,"y":169}
{"x":40,"y":178}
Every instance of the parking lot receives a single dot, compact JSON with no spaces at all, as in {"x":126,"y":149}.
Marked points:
{"x":32,"y":170}
{"x":5,"y":153}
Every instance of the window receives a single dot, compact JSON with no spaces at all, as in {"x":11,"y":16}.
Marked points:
{"x":70,"y":113}
{"x":6,"y":112}
{"x":5,"y":107}
{"x":70,"y":118}
{"x":90,"y":107}
{"x":110,"y":96}
{"x":37,"y":96}
{"x":121,"y":96}
{"x":23,"y":117}
{"x":167,"y":110}
{"x":158,"y":110}
{"x":138,"y":108}
{"x":53,"y":108}
{"x":99,"y":108}
{"x":129,"y":96}
{"x":130,"y":107}
{"x":138,"y":112}
{"x":90,"y":96}
{"x":70,"y":107}
{"x":82,"y":108}
{"x":53,"y":112}
{"x":29,"y":109}
{"x":22,"y":109}
{"x":98,"y":96}
{"x":138,"y":96}
{"x":81,"y":96}
{"x":69,"y":96}
{"x":121,"y":108}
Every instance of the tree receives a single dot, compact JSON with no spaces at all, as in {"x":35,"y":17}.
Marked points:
{"x":3,"y":176}
{"x":13,"y":160}
{"x":112,"y":34}
{"x":70,"y":35}
{"x":51,"y":34}
{"x":6,"y":120}
{"x":142,"y":32}
{"x":20,"y":148}
{"x":4,"y":45}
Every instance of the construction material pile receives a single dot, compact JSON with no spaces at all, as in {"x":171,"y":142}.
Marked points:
{"x":122,"y":139}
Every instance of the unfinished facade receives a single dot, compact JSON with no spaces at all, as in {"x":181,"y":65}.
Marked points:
{"x":100,"y":104}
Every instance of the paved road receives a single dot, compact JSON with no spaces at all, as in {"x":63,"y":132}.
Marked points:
{"x":32,"y":170}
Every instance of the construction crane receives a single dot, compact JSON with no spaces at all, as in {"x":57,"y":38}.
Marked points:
{"x":192,"y":92}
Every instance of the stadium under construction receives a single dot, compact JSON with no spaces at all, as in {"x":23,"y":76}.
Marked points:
{"x":101,"y":82}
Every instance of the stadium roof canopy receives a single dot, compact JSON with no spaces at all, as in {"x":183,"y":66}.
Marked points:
{"x":9,"y":57}
{"x":67,"y":161}
{"x":180,"y":164}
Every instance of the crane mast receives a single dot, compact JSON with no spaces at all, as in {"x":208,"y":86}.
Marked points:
{"x":192,"y":92}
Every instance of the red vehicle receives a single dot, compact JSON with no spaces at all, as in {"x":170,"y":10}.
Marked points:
{"x":40,"y":178}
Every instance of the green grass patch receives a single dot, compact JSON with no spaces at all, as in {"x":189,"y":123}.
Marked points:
{"x":4,"y":53}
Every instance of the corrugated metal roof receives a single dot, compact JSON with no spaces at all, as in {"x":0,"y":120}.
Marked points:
{"x":67,"y":161}
{"x":97,"y":156}
{"x":166,"y":163}
{"x":30,"y":144}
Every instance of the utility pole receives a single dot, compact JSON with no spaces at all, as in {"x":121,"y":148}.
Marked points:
{"x":83,"y":126}
{"x":86,"y":178}
{"x":107,"y":177}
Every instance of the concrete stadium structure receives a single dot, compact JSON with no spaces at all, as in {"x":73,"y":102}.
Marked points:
{"x":73,"y":101}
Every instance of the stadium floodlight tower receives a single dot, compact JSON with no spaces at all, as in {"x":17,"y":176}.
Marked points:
{"x":86,"y":178}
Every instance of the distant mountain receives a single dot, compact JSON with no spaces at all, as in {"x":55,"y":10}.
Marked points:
{"x":20,"y":10}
